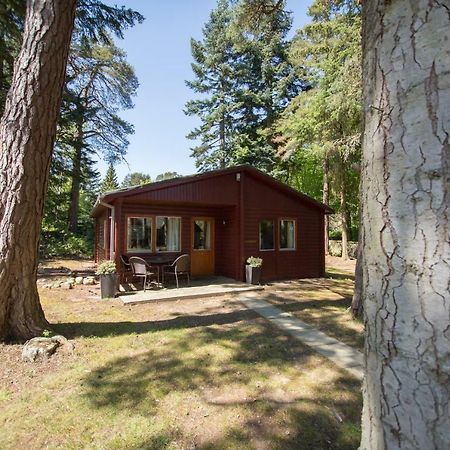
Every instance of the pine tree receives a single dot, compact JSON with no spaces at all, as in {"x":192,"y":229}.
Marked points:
{"x":268,"y":82}
{"x":214,"y":68}
{"x":110,"y":182}
{"x":247,"y":82}
{"x":100,"y":84}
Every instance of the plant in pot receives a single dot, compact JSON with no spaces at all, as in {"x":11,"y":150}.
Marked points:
{"x":253,"y":270}
{"x":108,"y":278}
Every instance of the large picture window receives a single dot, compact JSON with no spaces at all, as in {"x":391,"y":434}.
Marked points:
{"x":287,"y":234}
{"x":266,"y":235}
{"x":168,"y":231}
{"x":139,"y":234}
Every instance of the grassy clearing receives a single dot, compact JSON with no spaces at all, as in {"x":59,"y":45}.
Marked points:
{"x":204,"y":374}
{"x":323,"y":303}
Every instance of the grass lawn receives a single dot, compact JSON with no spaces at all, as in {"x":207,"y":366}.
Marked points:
{"x":323,"y":303}
{"x":203,"y":374}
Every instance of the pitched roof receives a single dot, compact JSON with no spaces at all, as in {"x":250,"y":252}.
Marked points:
{"x":133,"y":190}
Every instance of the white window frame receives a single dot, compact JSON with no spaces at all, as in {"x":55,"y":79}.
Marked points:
{"x":273,"y":235}
{"x":132,"y":250}
{"x":156,"y":234}
{"x":291,"y":249}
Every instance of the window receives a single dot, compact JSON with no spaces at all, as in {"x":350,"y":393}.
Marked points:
{"x":266,"y":235}
{"x":139,"y":234}
{"x":168,"y":234}
{"x":287,"y":234}
{"x":202,"y":235}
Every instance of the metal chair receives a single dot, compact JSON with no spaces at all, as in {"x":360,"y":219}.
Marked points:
{"x":181,"y":266}
{"x":126,"y":268}
{"x":141,"y":269}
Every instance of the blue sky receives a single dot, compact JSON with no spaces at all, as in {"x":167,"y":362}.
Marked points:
{"x":159,"y":50}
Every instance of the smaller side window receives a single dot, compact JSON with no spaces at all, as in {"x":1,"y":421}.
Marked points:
{"x":266,"y":229}
{"x":287,"y":234}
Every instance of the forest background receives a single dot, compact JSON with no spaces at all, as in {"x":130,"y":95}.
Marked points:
{"x":290,"y":107}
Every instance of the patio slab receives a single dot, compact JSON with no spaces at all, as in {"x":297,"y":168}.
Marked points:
{"x":199,"y":288}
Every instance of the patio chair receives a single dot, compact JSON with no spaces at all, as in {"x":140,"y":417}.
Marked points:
{"x":181,"y":266}
{"x":126,"y":269}
{"x":142,"y":270}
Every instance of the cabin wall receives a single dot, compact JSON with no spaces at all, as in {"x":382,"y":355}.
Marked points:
{"x":224,"y":223}
{"x":264,"y":202}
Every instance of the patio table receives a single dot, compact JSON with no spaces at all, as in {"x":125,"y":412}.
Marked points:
{"x":159,"y":261}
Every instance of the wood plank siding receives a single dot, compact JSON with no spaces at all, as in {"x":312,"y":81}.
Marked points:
{"x":237,"y":199}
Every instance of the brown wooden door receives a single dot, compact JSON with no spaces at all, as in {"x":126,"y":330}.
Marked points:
{"x":202,"y":252}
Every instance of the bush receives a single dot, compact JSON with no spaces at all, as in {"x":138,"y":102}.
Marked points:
{"x":106,"y":268}
{"x":57,"y":243}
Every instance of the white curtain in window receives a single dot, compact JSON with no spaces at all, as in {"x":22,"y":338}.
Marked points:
{"x":173,"y":234}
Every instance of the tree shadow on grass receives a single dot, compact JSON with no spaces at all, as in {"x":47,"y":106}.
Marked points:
{"x":103,"y":329}
{"x":211,"y":359}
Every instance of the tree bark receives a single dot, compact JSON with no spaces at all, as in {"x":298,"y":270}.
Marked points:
{"x":76,"y":180}
{"x":405,"y":226}
{"x":344,"y":213}
{"x":326,"y":199}
{"x":27,"y":132}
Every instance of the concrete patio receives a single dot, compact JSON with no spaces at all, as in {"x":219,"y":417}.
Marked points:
{"x":203,"y":287}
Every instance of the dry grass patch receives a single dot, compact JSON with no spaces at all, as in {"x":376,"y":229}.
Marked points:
{"x":204,"y":374}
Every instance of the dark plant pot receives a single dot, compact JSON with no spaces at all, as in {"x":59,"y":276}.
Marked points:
{"x":108,"y":285}
{"x":252,"y":274}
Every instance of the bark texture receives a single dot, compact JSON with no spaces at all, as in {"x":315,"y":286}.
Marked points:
{"x":27,"y":132}
{"x":405,"y":226}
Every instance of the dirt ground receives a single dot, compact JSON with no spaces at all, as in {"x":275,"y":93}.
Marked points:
{"x":339,"y":264}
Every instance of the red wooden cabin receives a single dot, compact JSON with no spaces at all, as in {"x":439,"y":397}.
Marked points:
{"x":220,"y":218}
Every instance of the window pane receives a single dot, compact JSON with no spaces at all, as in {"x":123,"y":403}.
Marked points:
{"x":287,"y":234}
{"x":139,"y":234}
{"x":168,"y":234}
{"x":202,"y":235}
{"x":266,"y":235}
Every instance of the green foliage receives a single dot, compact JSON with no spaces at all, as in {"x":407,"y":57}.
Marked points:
{"x":324,"y":123}
{"x":136,"y":179}
{"x":254,"y":261}
{"x":244,"y":81}
{"x":106,"y":268}
{"x":56,"y":242}
{"x":167,"y":176}
{"x":110,"y":182}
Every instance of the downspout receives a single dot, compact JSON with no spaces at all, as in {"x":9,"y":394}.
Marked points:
{"x":112,"y":229}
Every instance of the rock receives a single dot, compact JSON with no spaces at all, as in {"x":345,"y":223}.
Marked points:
{"x":70,"y":280}
{"x":79,"y":280}
{"x":38,"y":348}
{"x":64,"y":344}
{"x":44,"y":347}
{"x":67,"y":285}
{"x":89,"y":281}
{"x":57,"y":285}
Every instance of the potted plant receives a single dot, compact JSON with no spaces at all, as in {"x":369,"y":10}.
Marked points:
{"x":108,"y":278}
{"x":253,"y":270}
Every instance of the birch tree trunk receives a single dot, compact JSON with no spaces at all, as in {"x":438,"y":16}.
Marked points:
{"x":405,"y":226}
{"x":27,"y":132}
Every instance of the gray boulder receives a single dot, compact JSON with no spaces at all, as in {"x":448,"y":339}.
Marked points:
{"x":43,"y":347}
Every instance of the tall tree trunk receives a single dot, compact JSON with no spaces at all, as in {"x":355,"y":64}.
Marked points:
{"x":27,"y":132}
{"x":76,"y":180}
{"x":326,"y":199}
{"x":344,"y":214}
{"x":405,"y":231}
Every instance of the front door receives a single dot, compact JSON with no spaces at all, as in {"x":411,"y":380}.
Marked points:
{"x":202,"y":254}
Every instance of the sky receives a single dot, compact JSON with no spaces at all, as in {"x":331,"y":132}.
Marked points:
{"x":159,"y":50}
